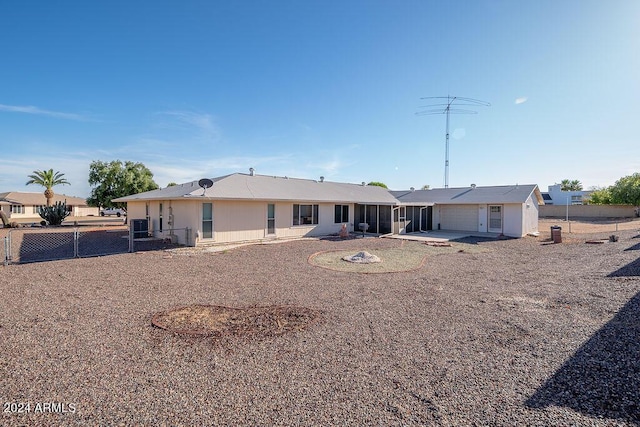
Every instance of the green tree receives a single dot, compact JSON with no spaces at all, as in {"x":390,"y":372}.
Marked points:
{"x":570,"y":185}
{"x":426,"y":187}
{"x":600,"y":196}
{"x":114,"y":179}
{"x":626,"y":190}
{"x":47,"y":179}
{"x":171,"y":184}
{"x":378,"y":184}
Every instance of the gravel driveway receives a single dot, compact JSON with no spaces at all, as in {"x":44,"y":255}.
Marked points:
{"x":522,"y":333}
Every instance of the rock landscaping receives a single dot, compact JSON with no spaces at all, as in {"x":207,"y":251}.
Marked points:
{"x":362,"y":257}
{"x":504,"y":333}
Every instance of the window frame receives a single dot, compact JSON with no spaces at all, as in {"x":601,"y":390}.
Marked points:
{"x":271,"y":219}
{"x":19,"y":209}
{"x":207,"y":220}
{"x":341,"y":211}
{"x":297,"y":214}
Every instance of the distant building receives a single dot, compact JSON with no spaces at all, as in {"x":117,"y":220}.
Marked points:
{"x":25,"y":206}
{"x":555,"y":196}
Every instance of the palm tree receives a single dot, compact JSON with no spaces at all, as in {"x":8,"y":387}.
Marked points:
{"x":570,"y":185}
{"x":47,"y":179}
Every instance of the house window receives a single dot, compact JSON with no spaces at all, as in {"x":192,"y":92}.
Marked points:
{"x":341,"y":214}
{"x":160,"y":218}
{"x":207,"y":220}
{"x":271,"y":218}
{"x":36,"y":209}
{"x":17,"y":209}
{"x":305,"y":214}
{"x":146,"y":214}
{"x":576,"y":200}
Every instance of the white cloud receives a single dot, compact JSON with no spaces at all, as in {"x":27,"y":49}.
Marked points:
{"x":167,"y":170}
{"x":201,"y":123}
{"x":29,"y":109}
{"x":521,"y":100}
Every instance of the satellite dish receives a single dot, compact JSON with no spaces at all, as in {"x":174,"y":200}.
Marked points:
{"x":205,"y":183}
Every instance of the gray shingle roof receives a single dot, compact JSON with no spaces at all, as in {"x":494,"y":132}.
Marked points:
{"x":469,"y":195}
{"x":239,"y":186}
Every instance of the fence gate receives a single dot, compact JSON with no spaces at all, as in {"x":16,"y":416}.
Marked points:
{"x":32,"y":245}
{"x":102,"y":242}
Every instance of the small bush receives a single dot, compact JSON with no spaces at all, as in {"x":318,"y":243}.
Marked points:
{"x":54,"y":215}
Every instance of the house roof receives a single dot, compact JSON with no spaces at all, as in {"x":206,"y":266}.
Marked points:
{"x":239,"y":186}
{"x":470,"y":195}
{"x":37,"y":199}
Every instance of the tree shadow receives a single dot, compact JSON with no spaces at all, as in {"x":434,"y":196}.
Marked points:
{"x":602,"y":379}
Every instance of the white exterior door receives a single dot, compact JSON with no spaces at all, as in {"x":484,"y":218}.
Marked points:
{"x":495,"y":218}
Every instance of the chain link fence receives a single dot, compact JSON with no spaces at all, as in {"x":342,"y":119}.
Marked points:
{"x":4,"y":246}
{"x":33,"y":245}
{"x":24,"y":245}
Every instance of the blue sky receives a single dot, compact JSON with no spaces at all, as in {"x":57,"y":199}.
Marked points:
{"x":198,"y":89}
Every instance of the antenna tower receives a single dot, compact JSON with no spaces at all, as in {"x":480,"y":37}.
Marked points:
{"x":442,"y":105}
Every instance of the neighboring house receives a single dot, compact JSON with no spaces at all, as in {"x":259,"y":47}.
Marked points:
{"x":25,"y":206}
{"x":511,"y":210}
{"x":249,"y":207}
{"x":246,"y":207}
{"x":556,"y":196}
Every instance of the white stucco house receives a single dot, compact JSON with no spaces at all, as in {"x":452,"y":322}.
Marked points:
{"x":250,"y":207}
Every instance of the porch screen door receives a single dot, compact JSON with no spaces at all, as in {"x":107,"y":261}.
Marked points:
{"x":495,"y":219}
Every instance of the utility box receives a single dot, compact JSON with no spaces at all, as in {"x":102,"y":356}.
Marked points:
{"x":140,"y":228}
{"x":556,"y":234}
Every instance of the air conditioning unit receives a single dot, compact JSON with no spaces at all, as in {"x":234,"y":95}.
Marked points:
{"x":140,"y":228}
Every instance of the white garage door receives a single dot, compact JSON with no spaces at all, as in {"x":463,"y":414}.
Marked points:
{"x":459,"y":217}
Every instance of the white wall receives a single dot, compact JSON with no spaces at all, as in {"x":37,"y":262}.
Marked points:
{"x":517,"y":220}
{"x":234,"y":221}
{"x":530,"y":215}
{"x":85,"y":211}
{"x":512,"y":220}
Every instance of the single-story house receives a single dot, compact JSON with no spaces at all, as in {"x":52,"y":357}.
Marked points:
{"x":511,"y":210}
{"x":19,"y":205}
{"x":249,"y":207}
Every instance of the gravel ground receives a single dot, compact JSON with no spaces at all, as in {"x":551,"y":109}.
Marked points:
{"x":522,"y":333}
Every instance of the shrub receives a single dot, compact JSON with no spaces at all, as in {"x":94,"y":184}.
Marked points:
{"x":54,"y":215}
